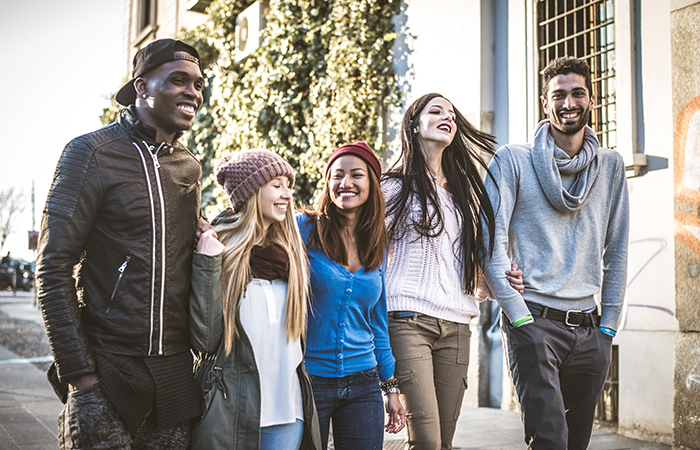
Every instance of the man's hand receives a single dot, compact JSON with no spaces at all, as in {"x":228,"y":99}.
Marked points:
{"x":82,"y":382}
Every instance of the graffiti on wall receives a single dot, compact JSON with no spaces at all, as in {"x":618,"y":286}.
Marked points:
{"x":686,"y":173}
{"x":693,"y":377}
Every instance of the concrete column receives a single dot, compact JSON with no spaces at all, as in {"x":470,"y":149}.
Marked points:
{"x":685,"y":49}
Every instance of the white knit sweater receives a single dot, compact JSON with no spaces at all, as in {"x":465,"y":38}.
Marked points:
{"x":423,"y":274}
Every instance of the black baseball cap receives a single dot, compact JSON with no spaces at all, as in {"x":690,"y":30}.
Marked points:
{"x":151,"y":56}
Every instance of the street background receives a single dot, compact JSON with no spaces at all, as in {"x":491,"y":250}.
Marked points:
{"x":29,"y":408}
{"x":61,"y":62}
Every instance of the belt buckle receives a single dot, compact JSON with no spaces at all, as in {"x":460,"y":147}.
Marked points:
{"x":566,"y":320}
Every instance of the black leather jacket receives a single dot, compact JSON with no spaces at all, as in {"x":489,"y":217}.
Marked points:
{"x":126,"y":208}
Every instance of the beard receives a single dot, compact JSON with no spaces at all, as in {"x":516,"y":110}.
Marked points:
{"x":569,"y":128}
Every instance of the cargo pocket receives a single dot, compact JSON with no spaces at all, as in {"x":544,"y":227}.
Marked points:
{"x":411,"y":395}
{"x":458,"y":406}
{"x":463,"y":344}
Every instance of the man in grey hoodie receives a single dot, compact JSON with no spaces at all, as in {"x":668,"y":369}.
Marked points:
{"x":562,"y":215}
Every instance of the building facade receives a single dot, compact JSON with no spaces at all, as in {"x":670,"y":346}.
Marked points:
{"x":148,"y":20}
{"x":485,"y":56}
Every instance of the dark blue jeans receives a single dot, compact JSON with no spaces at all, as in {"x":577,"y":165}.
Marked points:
{"x":355,"y":404}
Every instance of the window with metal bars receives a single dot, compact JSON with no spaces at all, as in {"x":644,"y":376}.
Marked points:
{"x":584,"y":29}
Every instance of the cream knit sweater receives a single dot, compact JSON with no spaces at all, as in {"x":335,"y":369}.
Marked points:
{"x":423,"y":274}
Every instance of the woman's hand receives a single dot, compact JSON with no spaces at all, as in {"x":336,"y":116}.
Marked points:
{"x":396,"y":415}
{"x":202,"y":226}
{"x":208,"y":243}
{"x":515,"y":278}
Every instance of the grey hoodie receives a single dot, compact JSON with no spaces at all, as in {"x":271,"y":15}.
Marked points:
{"x":564,"y":221}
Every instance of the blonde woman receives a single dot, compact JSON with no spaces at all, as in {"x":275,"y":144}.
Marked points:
{"x":248,"y":314}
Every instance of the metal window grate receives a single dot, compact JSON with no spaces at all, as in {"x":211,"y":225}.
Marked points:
{"x":584,"y":29}
{"x":606,"y":411}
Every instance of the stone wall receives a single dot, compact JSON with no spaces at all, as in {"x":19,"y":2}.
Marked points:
{"x":685,"y":45}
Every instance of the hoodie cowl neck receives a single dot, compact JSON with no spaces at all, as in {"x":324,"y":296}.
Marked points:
{"x":550,"y":163}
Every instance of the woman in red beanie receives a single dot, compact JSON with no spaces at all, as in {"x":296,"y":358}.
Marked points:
{"x":435,"y":204}
{"x":347,"y":347}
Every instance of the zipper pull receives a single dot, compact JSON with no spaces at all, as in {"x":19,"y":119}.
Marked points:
{"x":122,"y":268}
{"x":154,"y":155}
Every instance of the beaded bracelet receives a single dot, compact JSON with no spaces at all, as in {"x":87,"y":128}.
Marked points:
{"x":391,"y":390}
{"x":390,"y":386}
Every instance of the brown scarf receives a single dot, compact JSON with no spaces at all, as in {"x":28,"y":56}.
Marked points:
{"x":269,"y":263}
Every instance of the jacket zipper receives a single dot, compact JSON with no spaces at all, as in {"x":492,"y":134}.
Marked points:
{"x":121,"y":270}
{"x":153,"y":241}
{"x":161,"y":317}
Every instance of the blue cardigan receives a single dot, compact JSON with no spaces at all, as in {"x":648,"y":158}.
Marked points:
{"x":347,"y":327}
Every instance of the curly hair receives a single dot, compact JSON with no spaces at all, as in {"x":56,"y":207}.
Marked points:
{"x":564,"y":66}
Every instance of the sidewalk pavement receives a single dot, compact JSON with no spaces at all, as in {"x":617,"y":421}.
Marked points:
{"x":29,"y":409}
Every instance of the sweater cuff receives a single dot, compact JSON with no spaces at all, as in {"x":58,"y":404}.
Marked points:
{"x":610,"y":317}
{"x":515,"y":309}
{"x":385,"y":372}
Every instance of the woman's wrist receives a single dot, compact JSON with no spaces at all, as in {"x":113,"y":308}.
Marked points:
{"x":390,"y":386}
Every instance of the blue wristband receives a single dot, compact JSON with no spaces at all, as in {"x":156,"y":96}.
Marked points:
{"x":609,"y":331}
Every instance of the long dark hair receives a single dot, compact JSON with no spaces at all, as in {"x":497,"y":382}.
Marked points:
{"x":459,"y":165}
{"x":328,"y":224}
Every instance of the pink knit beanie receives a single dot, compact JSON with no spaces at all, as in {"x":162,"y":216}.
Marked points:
{"x":242,"y":173}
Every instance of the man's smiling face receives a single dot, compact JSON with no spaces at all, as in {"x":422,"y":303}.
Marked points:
{"x":173,"y":93}
{"x":568,"y":103}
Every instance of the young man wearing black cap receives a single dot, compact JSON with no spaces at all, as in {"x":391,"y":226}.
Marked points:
{"x":123,"y":207}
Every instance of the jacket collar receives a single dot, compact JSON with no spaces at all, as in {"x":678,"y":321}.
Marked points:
{"x":138,"y":129}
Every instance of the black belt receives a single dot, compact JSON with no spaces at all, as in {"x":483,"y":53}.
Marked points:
{"x":572,"y":317}
{"x":404,"y":314}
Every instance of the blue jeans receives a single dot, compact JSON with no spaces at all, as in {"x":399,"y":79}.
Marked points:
{"x":355,"y":404}
{"x":282,"y":437}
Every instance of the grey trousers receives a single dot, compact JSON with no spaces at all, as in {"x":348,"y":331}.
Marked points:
{"x":89,"y":421}
{"x":559,"y":372}
{"x":432,"y":358}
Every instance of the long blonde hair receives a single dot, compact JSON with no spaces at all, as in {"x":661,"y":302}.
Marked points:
{"x":239,"y":236}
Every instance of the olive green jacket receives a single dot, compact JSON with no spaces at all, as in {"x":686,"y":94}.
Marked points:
{"x":230,"y":383}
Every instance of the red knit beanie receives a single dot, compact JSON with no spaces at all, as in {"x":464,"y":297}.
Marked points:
{"x":242,"y":173}
{"x":361,"y":150}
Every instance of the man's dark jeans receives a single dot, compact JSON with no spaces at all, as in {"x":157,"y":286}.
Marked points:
{"x":355,"y":404}
{"x":559,"y":372}
{"x":89,"y":421}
